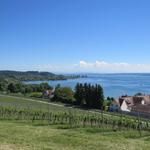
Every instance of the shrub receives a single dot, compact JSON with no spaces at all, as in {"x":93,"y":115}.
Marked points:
{"x":36,"y":94}
{"x":64,"y":94}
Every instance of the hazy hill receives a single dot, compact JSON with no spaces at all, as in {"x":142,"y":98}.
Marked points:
{"x":31,"y":75}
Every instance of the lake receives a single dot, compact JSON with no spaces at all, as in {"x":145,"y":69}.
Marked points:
{"x":114,"y":85}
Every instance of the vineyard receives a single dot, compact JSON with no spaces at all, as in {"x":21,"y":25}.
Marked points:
{"x":47,"y":126}
{"x":74,"y":118}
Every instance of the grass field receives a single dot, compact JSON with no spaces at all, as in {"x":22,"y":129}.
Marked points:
{"x":28,"y":135}
{"x":29,"y":103}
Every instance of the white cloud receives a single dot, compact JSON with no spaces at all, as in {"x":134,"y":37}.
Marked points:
{"x":84,"y":64}
{"x":96,"y":67}
{"x":116,"y":67}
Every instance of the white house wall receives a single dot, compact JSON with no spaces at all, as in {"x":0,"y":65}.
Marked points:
{"x":124,"y":107}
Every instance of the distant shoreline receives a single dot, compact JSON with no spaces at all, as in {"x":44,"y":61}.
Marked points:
{"x":33,"y":76}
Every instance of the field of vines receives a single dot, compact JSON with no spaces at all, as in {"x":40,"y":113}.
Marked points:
{"x":12,"y":108}
{"x":74,"y":119}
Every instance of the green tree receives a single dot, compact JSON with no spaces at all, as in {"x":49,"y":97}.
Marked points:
{"x":90,"y":95}
{"x":64,"y":94}
{"x":57,"y":86}
{"x":12,"y":88}
{"x":138,"y":94}
{"x":1,"y":88}
{"x":45,"y":86}
{"x":28,"y":89}
{"x":79,"y":94}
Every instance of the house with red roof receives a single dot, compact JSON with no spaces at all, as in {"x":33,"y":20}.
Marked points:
{"x":139,"y":103}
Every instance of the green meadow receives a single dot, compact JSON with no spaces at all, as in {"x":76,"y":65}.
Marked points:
{"x":27,"y":136}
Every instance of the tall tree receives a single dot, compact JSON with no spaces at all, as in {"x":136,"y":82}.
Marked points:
{"x":90,"y":95}
{"x":12,"y":88}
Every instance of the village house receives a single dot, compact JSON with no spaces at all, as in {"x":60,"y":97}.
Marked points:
{"x":135,"y":103}
{"x":48,"y":93}
{"x":114,"y":106}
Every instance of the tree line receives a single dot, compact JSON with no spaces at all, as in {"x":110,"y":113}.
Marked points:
{"x":85,"y":95}
{"x":27,"y":88}
{"x":90,"y":95}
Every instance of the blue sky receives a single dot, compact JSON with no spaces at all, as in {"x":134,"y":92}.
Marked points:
{"x":75,"y":35}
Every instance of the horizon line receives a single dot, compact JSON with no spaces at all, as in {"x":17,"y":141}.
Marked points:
{"x":77,"y":72}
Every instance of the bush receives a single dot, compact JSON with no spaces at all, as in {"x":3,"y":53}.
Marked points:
{"x":36,"y":94}
{"x":64,"y":95}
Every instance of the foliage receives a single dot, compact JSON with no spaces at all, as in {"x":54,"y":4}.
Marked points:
{"x":12,"y":88}
{"x":27,"y":88}
{"x":138,"y":94}
{"x":87,"y":95}
{"x":110,"y":98}
{"x":36,"y":94}
{"x":64,"y":95}
{"x":90,"y":95}
{"x":107,"y":103}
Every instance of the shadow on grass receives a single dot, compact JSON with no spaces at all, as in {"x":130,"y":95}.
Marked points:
{"x":134,"y":134}
{"x":39,"y":124}
{"x":98,"y":130}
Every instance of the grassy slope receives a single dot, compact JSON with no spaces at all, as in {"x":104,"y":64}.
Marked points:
{"x":21,"y":102}
{"x":16,"y":135}
{"x":36,"y":104}
{"x":24,"y":136}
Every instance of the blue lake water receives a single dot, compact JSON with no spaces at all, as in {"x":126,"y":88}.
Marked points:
{"x":114,"y":85}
